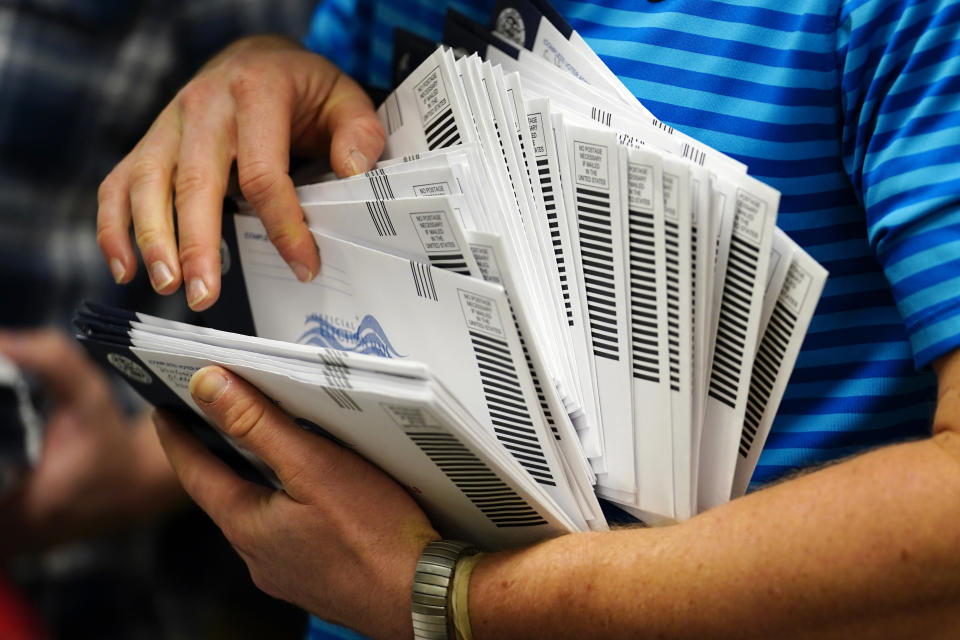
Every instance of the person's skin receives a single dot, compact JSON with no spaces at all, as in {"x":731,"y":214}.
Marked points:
{"x":98,"y":471}
{"x":254,"y":104}
{"x":866,"y":548}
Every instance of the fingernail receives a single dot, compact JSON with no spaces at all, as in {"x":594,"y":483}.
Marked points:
{"x":358,"y":162}
{"x":197,"y":292}
{"x":301,"y":271}
{"x":208,"y":385}
{"x":116,"y":268}
{"x":160,"y":275}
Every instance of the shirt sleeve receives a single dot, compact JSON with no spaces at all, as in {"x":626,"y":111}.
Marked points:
{"x":900,"y":93}
{"x":337,"y":31}
{"x":357,"y":35}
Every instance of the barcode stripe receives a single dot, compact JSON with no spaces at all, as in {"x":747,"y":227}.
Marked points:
{"x":342,"y":399}
{"x":646,"y":362}
{"x":455,"y":262}
{"x":732,"y":323}
{"x":671,"y":236}
{"x":423,"y":280}
{"x":546,"y":187}
{"x":765,"y":369}
{"x":508,"y":510}
{"x":440,"y":123}
{"x":505,"y":403}
{"x":381,"y":218}
{"x":596,"y":252}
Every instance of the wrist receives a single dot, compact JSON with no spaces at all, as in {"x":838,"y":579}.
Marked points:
{"x":438,"y":600}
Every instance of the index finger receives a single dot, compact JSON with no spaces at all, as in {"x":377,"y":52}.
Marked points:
{"x":263,"y":159}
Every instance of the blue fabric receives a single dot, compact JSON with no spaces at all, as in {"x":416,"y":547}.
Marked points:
{"x":851,"y":109}
{"x":320,"y":630}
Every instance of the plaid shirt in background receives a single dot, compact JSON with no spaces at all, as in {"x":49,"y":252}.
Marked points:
{"x":80,"y":83}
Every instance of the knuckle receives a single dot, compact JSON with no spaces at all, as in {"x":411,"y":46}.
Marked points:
{"x":105,"y":238}
{"x":57,"y":344}
{"x":192,"y":180}
{"x":191,"y":253}
{"x":372,"y":128}
{"x":283,"y":236}
{"x":148,"y":236}
{"x":195,"y":97}
{"x":109,"y":188}
{"x":246,"y":79}
{"x":258,"y":180}
{"x":243,"y":416}
{"x":238,"y":537}
{"x":97,"y":391}
{"x":262,"y":582}
{"x":147,"y":171}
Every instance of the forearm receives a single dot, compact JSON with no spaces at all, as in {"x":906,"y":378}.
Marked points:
{"x":869,"y":547}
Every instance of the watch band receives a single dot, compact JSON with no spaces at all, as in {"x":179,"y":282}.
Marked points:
{"x":431,"y":588}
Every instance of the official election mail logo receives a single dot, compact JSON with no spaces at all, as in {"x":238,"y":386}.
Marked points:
{"x":366,"y":337}
{"x":129,"y":368}
{"x":510,"y":25}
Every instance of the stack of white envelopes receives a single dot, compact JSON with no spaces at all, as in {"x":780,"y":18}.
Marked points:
{"x":587,"y":301}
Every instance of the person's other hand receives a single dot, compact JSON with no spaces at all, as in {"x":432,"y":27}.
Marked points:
{"x":97,"y":471}
{"x":341,"y":541}
{"x":254,"y":103}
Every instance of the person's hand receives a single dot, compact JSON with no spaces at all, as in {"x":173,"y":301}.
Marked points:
{"x":96,"y":470}
{"x":254,"y":103}
{"x":341,"y":541}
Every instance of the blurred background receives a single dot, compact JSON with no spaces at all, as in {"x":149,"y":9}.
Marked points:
{"x":94,"y":540}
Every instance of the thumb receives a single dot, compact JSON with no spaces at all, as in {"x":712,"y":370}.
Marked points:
{"x":356,"y":134}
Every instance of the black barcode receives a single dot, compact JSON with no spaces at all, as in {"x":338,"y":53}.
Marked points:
{"x":343,"y":400}
{"x":766,"y":367}
{"x":450,"y":261}
{"x":380,"y":184}
{"x":662,"y":126}
{"x":643,"y":298}
{"x":411,"y":157}
{"x":596,"y":256}
{"x":550,"y":204}
{"x":693,"y":282}
{"x":442,"y":132}
{"x":423,"y":280}
{"x":488,"y":493}
{"x":507,"y":407}
{"x":381,"y":218}
{"x":732,"y":323}
{"x":601,"y":116}
{"x":693,"y":154}
{"x":335,"y":369}
{"x":671,"y":233}
{"x":629,"y":141}
{"x":541,"y":398}
{"x":506,"y":163}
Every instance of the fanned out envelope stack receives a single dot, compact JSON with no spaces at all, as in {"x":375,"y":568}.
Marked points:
{"x":541,"y":296}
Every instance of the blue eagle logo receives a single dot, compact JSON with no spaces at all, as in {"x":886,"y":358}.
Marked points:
{"x":369,"y":338}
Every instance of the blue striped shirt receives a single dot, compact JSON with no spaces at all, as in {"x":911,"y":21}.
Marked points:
{"x":851,"y":109}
